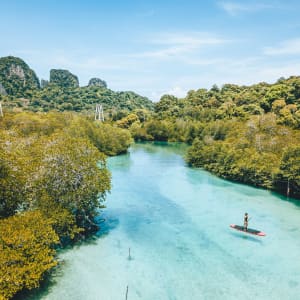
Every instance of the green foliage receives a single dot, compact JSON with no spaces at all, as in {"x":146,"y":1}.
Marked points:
{"x":97,"y":82}
{"x":63,"y":78}
{"x":108,"y":139}
{"x":33,"y":144}
{"x":227,"y":124}
{"x":12,"y":179}
{"x":127,"y":121}
{"x":111,"y":140}
{"x":2,"y":90}
{"x":289,"y":173}
{"x":62,"y":220}
{"x":57,"y":159}
{"x":26,"y":252}
{"x":138,"y":132}
{"x":233,"y":101}
{"x":80,"y":99}
{"x":72,"y":174}
{"x":53,"y":181}
{"x":16,"y":77}
{"x":290,"y":163}
{"x":158,"y":130}
{"x":261,"y":141}
{"x":61,"y":93}
{"x":167,"y":106}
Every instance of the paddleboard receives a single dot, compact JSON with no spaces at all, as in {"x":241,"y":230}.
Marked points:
{"x":249,"y":230}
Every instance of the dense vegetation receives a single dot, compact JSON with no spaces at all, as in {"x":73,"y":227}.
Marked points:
{"x":53,"y":175}
{"x":20,"y":91}
{"x":82,"y":99}
{"x":63,"y":78}
{"x":222,"y":124}
{"x":53,"y":181}
{"x":16,"y":77}
{"x":97,"y":82}
{"x":248,"y":134}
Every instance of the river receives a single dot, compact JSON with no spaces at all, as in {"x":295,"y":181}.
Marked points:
{"x":175,"y":220}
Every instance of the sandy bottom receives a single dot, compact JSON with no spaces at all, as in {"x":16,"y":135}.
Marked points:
{"x":175,"y":220}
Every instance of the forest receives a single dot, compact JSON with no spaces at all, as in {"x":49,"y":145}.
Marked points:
{"x":248,"y":134}
{"x":21,"y":90}
{"x":53,"y":174}
{"x":53,"y":183}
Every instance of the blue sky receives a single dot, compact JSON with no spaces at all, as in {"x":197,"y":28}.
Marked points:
{"x":156,"y":47}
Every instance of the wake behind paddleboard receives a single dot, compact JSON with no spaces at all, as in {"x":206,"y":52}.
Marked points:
{"x":249,"y":230}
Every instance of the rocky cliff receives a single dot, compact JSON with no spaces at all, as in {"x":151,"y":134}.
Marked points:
{"x":16,"y":77}
{"x":97,"y":82}
{"x":2,"y":90}
{"x":63,"y":78}
{"x":61,"y":92}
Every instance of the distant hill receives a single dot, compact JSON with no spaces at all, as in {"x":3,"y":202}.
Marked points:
{"x":20,"y":88}
{"x":84,"y":99}
{"x":97,"y":82}
{"x":63,"y":78}
{"x":16,"y":77}
{"x":234,"y":101}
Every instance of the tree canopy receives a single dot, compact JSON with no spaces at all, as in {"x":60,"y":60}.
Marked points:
{"x":224,"y":125}
{"x":53,"y":183}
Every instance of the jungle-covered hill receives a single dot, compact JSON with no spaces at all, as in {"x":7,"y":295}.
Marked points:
{"x":248,"y":134}
{"x":53,"y":168}
{"x":16,"y":77}
{"x":20,"y":89}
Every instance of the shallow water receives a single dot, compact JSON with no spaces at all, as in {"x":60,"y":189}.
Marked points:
{"x":175,"y":220}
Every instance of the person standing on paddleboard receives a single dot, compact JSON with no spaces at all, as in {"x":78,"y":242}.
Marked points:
{"x":246,"y":218}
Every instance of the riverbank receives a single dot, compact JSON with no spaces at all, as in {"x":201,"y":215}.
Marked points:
{"x":176,"y":221}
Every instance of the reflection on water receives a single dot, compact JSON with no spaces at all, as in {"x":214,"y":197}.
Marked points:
{"x":121,"y":162}
{"x":247,"y":237}
{"x":175,"y":220}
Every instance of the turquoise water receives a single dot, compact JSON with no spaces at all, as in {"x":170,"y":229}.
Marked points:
{"x":175,"y":220}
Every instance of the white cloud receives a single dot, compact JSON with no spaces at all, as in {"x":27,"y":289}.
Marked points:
{"x":199,"y":64}
{"x":193,"y":61}
{"x":234,"y":8}
{"x":164,"y":53}
{"x":90,"y":63}
{"x":288,"y":47}
{"x":176,"y":44}
{"x":177,"y":91}
{"x":192,"y":38}
{"x":274,"y":72}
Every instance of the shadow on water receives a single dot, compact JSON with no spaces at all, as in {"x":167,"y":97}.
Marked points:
{"x":161,"y":147}
{"x":247,"y":237}
{"x":200,"y":175}
{"x":106,"y":224}
{"x":140,"y":217}
{"x":294,"y":201}
{"x":45,"y":286}
{"x":121,"y":162}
